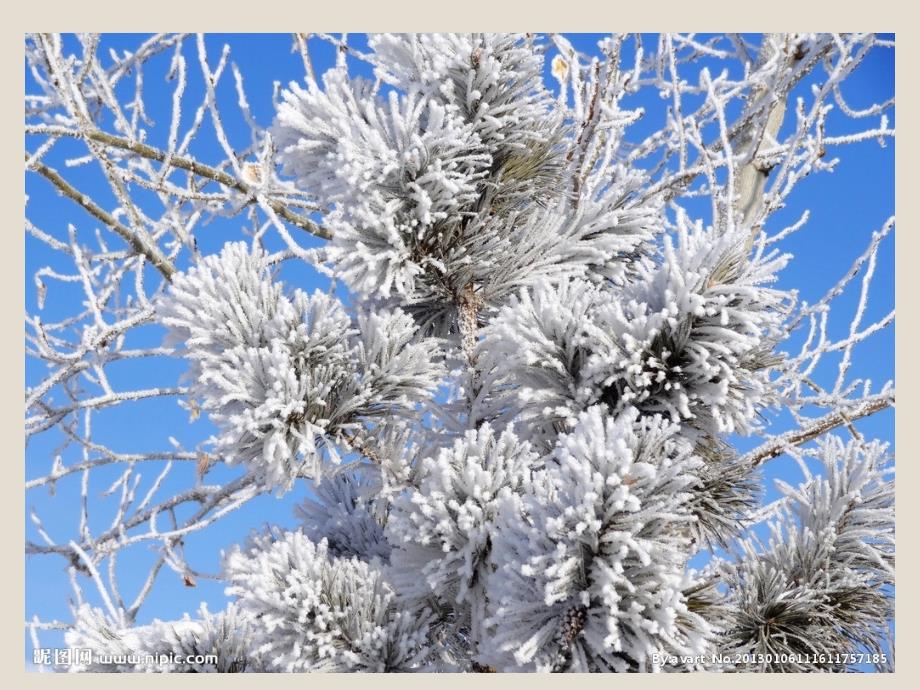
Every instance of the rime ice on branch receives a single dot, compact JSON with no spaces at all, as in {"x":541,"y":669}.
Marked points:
{"x":519,"y":428}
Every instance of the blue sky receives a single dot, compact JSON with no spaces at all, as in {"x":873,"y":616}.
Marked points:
{"x":846,"y":206}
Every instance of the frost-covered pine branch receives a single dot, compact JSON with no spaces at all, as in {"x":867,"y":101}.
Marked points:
{"x":541,"y":382}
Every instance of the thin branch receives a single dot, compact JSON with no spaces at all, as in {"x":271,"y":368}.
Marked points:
{"x":139,"y":244}
{"x":778,"y":445}
{"x":183,"y":163}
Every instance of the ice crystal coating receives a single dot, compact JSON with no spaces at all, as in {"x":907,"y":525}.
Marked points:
{"x":224,"y":639}
{"x":823,"y":581}
{"x":282,"y":377}
{"x":590,"y":577}
{"x":442,"y":530}
{"x":321,"y":613}
{"x":516,"y":433}
{"x":346,"y":513}
{"x":454,"y":178}
{"x":692,"y":338}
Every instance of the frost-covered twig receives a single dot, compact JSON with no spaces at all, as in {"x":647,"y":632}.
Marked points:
{"x":517,"y":429}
